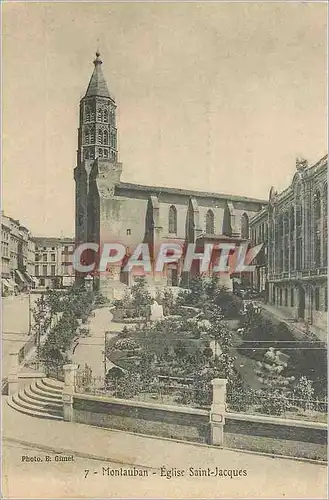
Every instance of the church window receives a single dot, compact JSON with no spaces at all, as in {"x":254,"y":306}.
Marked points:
{"x":100,"y":152}
{"x":210,"y":222}
{"x":91,"y":154}
{"x":106,"y":153}
{"x":245,"y":227}
{"x":106,"y":137}
{"x":112,"y":114}
{"x":100,"y":115}
{"x":172,"y":220}
{"x":87,"y":115}
{"x":100,"y":137}
{"x":106,"y":115}
{"x":87,"y":137}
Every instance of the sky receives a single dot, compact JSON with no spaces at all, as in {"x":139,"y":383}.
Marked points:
{"x":218,"y":97}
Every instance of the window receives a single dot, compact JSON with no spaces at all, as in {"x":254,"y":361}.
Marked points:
{"x":87,"y":137}
{"x":106,"y":115}
{"x":210,"y":222}
{"x":100,"y":137}
{"x":100,"y":115}
{"x":37,"y":257}
{"x":172,"y":220}
{"x":245,"y":226}
{"x":317,"y":299}
{"x":44,"y":270}
{"x":128,"y":232}
{"x":325,"y":224}
{"x":113,"y":139}
{"x":42,"y":282}
{"x":100,"y":153}
{"x":53,"y":257}
{"x":87,"y":115}
{"x":326,"y":298}
{"x":53,"y":270}
{"x":45,"y":257}
{"x":292,"y":301}
{"x":66,"y":248}
{"x":105,"y":137}
{"x":106,"y":153}
{"x":317,"y":228}
{"x":37,"y":270}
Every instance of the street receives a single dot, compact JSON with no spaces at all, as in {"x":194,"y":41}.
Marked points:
{"x":93,"y":448}
{"x":15,"y":325}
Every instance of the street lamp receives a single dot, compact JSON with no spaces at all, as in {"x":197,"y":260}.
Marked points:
{"x":89,"y":282}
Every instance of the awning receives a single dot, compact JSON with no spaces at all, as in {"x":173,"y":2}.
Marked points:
{"x":8,"y":283}
{"x":29,"y":278}
{"x":20,"y":276}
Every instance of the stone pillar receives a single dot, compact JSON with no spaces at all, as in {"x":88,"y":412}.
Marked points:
{"x":13,"y":373}
{"x":217,"y":411}
{"x":68,"y":391}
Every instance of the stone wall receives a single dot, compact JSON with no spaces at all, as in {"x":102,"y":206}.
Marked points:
{"x":160,"y":420}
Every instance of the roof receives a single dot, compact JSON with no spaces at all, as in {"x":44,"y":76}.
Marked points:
{"x":97,"y":84}
{"x":187,"y":192}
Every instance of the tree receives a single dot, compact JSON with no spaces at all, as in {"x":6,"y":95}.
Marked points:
{"x":141,"y":298}
{"x":304,"y":392}
{"x":276,"y":387}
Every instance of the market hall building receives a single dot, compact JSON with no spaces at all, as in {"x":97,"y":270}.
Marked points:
{"x":292,"y":269}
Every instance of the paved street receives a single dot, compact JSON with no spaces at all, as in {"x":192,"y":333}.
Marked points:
{"x":93,"y":447}
{"x":90,"y":350}
{"x":15,"y":326}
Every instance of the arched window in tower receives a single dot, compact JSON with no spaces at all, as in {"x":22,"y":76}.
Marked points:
{"x":105,"y":137}
{"x":106,"y":153}
{"x":210,"y":222}
{"x":100,"y":153}
{"x":87,"y":137}
{"x":106,"y":115}
{"x":112,"y":116}
{"x":317,"y":228}
{"x":113,"y":139}
{"x":87,"y":114}
{"x":245,"y":227}
{"x":100,"y":137}
{"x":100,"y":115}
{"x":172,"y":220}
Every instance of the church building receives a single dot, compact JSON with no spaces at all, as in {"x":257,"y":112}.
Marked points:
{"x":109,"y":210}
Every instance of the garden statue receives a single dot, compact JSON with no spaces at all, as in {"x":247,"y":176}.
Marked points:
{"x":156,"y":311}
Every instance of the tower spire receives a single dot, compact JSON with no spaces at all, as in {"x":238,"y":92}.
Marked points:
{"x":97,"y":85}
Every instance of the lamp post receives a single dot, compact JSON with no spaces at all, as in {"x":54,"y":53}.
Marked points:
{"x":88,"y":281}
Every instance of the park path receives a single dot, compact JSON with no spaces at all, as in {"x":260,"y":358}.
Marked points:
{"x":90,"y":349}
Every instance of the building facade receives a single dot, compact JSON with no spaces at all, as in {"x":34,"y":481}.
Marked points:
{"x":294,"y":230}
{"x":17,"y":256}
{"x":109,"y":210}
{"x":53,"y":262}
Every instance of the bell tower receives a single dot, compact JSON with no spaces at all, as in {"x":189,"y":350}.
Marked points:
{"x":97,"y":134}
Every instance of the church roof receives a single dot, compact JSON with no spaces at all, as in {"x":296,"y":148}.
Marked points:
{"x":97,"y":84}
{"x":187,"y":192}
